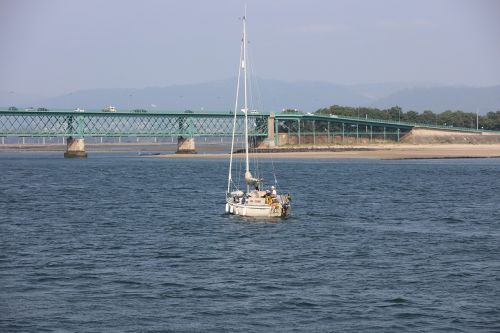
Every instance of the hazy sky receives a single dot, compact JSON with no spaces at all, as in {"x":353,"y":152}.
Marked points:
{"x":55,"y":47}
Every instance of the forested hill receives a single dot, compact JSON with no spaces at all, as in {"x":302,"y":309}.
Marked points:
{"x":489,"y":121}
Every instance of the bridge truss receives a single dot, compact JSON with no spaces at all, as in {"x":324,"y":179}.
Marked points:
{"x":305,"y":127}
{"x":113,"y":124}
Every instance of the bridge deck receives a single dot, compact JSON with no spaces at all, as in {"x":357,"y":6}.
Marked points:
{"x":94,"y":123}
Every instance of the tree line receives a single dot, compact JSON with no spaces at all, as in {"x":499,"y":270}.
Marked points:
{"x":490,"y":121}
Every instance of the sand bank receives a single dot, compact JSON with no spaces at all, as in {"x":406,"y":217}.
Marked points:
{"x":383,"y":151}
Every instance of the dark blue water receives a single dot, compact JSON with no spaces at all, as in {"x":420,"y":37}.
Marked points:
{"x":141,"y":245}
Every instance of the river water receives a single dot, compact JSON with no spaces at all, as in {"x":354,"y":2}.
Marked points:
{"x":126,"y":244}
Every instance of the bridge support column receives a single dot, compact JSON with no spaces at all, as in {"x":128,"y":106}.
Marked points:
{"x":272,"y":135}
{"x":185,"y":145}
{"x":298,"y":130}
{"x":328,"y":131}
{"x":314,"y":132}
{"x":271,"y":127}
{"x":75,"y":147}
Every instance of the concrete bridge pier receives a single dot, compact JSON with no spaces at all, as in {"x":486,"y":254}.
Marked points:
{"x":185,"y":145}
{"x":271,"y":140}
{"x":75,"y":147}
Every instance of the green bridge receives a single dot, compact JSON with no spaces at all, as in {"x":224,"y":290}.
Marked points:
{"x":272,"y":129}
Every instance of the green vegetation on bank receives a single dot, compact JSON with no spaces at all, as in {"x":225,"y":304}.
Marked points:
{"x":490,"y":121}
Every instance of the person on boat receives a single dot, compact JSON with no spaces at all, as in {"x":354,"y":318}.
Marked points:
{"x":273,"y":191}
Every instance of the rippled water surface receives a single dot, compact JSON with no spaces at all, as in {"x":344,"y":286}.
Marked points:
{"x":115,"y":243}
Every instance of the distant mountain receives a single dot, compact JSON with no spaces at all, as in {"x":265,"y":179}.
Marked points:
{"x":215,"y":95}
{"x":375,"y":91}
{"x":276,"y":95}
{"x":309,"y":96}
{"x":444,"y":98}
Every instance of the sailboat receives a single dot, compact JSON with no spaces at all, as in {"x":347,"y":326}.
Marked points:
{"x":256,"y":200}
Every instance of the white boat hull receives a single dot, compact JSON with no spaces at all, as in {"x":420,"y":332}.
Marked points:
{"x":275,"y":210}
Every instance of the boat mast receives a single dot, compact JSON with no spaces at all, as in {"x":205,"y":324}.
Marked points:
{"x":229,"y":178}
{"x":245,"y":109}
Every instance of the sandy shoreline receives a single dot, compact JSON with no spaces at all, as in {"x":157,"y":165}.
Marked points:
{"x":373,"y":151}
{"x":386,"y":151}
